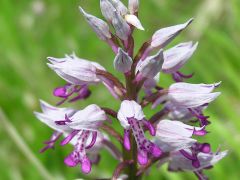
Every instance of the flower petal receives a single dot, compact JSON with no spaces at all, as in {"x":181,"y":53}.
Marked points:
{"x":151,"y":66}
{"x":98,"y":25}
{"x":164,"y":36}
{"x":177,"y":56}
{"x":89,"y":118}
{"x":129,"y":109}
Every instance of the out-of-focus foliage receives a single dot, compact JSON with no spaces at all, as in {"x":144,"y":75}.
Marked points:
{"x":31,"y":30}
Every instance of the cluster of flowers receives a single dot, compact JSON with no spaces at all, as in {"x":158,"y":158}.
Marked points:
{"x":173,"y":127}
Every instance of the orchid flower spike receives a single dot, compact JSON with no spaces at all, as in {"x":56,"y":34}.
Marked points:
{"x":132,"y":118}
{"x":81,"y":124}
{"x":173,"y":141}
{"x":75,"y":70}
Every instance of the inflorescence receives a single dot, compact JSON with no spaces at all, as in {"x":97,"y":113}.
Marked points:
{"x":180,"y":107}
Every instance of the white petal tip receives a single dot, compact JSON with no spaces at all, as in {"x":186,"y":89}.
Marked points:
{"x":51,"y":66}
{"x":50,"y":58}
{"x":215,"y":95}
{"x":81,"y":9}
{"x":133,"y":20}
{"x":190,"y":20}
{"x":141,"y":28}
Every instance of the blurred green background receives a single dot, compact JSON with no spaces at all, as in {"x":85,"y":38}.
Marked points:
{"x":31,"y":30}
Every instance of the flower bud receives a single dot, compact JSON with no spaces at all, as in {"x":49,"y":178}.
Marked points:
{"x":98,"y":25}
{"x":107,"y":10}
{"x":121,"y":26}
{"x":114,"y":16}
{"x":122,"y":61}
{"x":133,"y":6}
{"x":120,"y":7}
